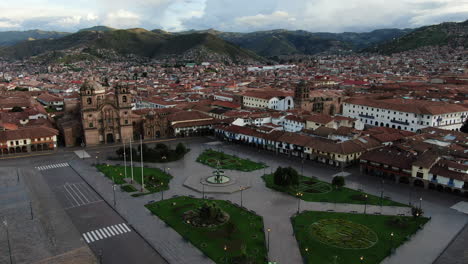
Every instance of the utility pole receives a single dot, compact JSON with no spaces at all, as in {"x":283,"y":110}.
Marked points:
{"x":131,"y":158}
{"x":141,"y":154}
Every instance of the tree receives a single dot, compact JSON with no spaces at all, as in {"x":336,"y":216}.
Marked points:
{"x":286,"y":176}
{"x":120,"y":152}
{"x":17,"y":109}
{"x":417,"y":212}
{"x":338,"y":181}
{"x":210,"y":212}
{"x":180,"y":149}
{"x":464,"y":128}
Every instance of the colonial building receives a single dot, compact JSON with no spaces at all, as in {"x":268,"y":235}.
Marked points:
{"x":268,"y":100}
{"x":27,"y":139}
{"x":106,"y":117}
{"x":406,"y":114}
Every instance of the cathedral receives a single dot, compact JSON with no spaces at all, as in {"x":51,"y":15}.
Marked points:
{"x":323,"y":101}
{"x":106,"y":117}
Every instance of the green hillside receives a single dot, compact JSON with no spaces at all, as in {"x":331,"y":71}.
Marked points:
{"x":131,"y":41}
{"x":9,"y":38}
{"x":453,"y":34}
{"x":285,"y":42}
{"x":98,"y":28}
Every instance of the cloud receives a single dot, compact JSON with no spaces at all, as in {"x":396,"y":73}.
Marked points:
{"x":122,"y":19}
{"x":229,"y":15}
{"x":8,"y":25}
{"x":277,"y":18}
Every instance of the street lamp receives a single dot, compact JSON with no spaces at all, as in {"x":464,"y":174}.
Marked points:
{"x":203,"y":191}
{"x":381,"y":193}
{"x":302,"y":167}
{"x":268,"y":240}
{"x":391,"y":241}
{"x":100,"y":256}
{"x":299,"y":195}
{"x":241,"y":190}
{"x":362,"y":259}
{"x":8,"y":239}
{"x":113,"y":189}
{"x":162,"y":191}
{"x":365,"y":204}
{"x":225,"y":254}
{"x":409,"y":199}
{"x":420,"y":203}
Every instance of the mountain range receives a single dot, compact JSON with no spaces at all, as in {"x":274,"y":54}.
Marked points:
{"x":225,"y":46}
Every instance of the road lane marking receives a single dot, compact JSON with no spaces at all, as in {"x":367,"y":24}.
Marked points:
{"x":76,"y":194}
{"x":115,"y":229}
{"x":73,"y":197}
{"x":126,"y":227}
{"x":86,"y":238}
{"x":98,"y":234}
{"x":109,"y":230}
{"x":102,"y":232}
{"x":118,"y":228}
{"x":78,"y":189}
{"x":52,"y":166}
{"x":125,"y":231}
{"x":106,"y":232}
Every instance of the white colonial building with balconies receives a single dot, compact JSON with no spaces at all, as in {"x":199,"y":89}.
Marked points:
{"x":406,"y":114}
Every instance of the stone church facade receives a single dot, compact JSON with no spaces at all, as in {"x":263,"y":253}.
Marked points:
{"x":106,"y":117}
{"x":317,"y":101}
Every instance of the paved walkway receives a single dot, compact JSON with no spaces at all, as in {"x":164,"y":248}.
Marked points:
{"x":275,"y":207}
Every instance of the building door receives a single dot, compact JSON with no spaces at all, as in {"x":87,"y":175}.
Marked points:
{"x":110,"y":138}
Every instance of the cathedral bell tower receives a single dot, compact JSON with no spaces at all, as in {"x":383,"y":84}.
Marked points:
{"x":123,"y":99}
{"x":301,"y":94}
{"x":88,"y":97}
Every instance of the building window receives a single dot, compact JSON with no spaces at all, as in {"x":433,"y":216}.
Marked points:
{"x":126,"y":122}
{"x":89,"y":101}
{"x":24,"y":141}
{"x":17,"y":142}
{"x":91,"y":125}
{"x":124,"y":99}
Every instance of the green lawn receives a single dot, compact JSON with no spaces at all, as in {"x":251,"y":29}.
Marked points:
{"x":155,"y":179}
{"x":243,"y":230}
{"x":314,"y":190}
{"x":324,"y":237}
{"x":210,"y":157}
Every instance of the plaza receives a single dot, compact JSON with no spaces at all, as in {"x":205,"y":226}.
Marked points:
{"x":274,"y":207}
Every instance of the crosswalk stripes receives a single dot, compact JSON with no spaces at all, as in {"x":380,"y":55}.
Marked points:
{"x":52,"y":166}
{"x":106,"y":232}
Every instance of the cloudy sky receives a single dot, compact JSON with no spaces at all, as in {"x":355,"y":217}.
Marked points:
{"x":229,"y":15}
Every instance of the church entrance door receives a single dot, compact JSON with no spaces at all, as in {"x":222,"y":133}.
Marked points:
{"x":110,"y":138}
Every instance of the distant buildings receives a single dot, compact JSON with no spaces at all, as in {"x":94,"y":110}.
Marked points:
{"x":436,"y":159}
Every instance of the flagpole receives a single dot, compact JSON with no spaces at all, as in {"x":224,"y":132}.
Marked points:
{"x":131,"y":158}
{"x":125,"y":158}
{"x":141,"y":154}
